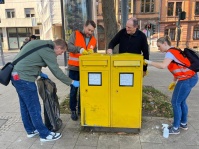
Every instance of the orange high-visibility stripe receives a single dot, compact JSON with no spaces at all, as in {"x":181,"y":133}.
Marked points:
{"x":178,"y":71}
{"x":80,"y":42}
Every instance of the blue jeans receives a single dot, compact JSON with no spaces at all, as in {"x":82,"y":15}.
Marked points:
{"x":180,"y":94}
{"x":74,"y":75}
{"x":30,"y":107}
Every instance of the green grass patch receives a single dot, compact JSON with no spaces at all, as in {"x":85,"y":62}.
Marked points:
{"x":154,"y":103}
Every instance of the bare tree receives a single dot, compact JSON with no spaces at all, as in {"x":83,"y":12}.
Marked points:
{"x":109,"y":17}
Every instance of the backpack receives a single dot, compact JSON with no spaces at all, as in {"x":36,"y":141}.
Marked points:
{"x":192,"y":56}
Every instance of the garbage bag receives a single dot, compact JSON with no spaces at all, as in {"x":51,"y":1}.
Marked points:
{"x":48,"y":92}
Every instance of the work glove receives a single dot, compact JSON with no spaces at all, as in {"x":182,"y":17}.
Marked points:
{"x":43,"y":75}
{"x":83,"y":51}
{"x":145,"y":73}
{"x":172,"y":86}
{"x":147,"y":62}
{"x":90,"y":51}
{"x":75,"y":83}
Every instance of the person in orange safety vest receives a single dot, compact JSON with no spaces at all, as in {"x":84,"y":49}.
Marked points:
{"x":184,"y":80}
{"x":80,"y":43}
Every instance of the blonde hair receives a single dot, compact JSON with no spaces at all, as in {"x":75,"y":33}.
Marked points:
{"x":61,"y":43}
{"x":166,"y":39}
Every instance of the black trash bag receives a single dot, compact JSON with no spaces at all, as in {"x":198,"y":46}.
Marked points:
{"x":47,"y":90}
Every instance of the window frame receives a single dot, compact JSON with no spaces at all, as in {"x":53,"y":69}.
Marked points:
{"x":28,"y":13}
{"x":173,"y":12}
{"x":169,"y":31}
{"x":11,"y":12}
{"x":196,"y":32}
{"x":196,"y":8}
{"x":151,"y":6}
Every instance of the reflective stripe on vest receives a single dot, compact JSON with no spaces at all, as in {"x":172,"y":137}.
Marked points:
{"x":73,"y":58}
{"x":178,"y":71}
{"x":80,"y":42}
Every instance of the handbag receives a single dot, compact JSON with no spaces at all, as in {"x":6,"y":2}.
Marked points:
{"x":5,"y":72}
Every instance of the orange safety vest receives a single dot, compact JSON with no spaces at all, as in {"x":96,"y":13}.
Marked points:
{"x":80,"y":42}
{"x":178,"y":71}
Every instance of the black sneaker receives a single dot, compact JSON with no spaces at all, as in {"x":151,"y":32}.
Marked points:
{"x":184,"y":127}
{"x":74,"y":116}
{"x":172,"y":131}
{"x":51,"y":137}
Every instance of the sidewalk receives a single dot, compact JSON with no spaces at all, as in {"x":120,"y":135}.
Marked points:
{"x":13,"y":136}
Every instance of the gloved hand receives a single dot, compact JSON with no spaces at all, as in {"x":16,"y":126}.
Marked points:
{"x":147,"y":62}
{"x":172,"y":86}
{"x":145,"y":73}
{"x":75,"y":83}
{"x":43,"y":75}
{"x":90,"y":51}
{"x":83,"y":51}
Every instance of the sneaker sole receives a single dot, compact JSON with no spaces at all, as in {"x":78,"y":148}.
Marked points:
{"x":177,"y":133}
{"x":184,"y":128}
{"x":45,"y":140}
{"x":32,"y":135}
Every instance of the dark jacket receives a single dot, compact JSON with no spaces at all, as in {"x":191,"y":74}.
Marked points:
{"x":136,"y":43}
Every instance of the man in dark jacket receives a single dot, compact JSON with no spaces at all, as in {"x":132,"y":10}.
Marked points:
{"x":131,"y":40}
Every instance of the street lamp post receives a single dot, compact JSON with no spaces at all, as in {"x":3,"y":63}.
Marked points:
{"x":1,"y":49}
{"x":63,"y":31}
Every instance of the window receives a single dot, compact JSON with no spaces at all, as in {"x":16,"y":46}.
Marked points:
{"x":196,"y":33}
{"x":29,"y":12}
{"x":1,"y":35}
{"x":10,"y":13}
{"x":171,"y":32}
{"x":197,"y":8}
{"x":37,"y":31}
{"x":174,"y":7}
{"x":129,"y":6}
{"x":178,"y":7}
{"x":147,"y":6}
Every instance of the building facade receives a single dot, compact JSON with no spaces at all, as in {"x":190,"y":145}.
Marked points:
{"x":20,"y":19}
{"x":157,"y":18}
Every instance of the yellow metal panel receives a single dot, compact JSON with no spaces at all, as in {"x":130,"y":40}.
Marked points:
{"x":126,"y":63}
{"x":126,"y":90}
{"x":95,"y":90}
{"x":94,"y":63}
{"x":95,"y":101}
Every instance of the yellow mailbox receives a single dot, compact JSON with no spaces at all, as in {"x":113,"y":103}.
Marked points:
{"x":126,"y":90}
{"x":95,"y":90}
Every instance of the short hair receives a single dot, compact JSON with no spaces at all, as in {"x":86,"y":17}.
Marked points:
{"x":166,"y":39}
{"x":61,"y":43}
{"x":91,"y":22}
{"x":33,"y":36}
{"x":135,"y":21}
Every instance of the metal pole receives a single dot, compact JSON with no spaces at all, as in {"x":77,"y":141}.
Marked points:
{"x":124,"y":10}
{"x":2,"y":56}
{"x":63,"y":31}
{"x":178,"y":27}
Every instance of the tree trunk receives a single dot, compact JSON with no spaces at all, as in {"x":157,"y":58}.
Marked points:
{"x":110,"y":23}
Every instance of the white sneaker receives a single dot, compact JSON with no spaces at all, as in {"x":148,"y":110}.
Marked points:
{"x":51,"y":137}
{"x":32,"y":134}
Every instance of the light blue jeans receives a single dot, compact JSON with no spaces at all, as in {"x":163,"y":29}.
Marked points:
{"x":30,"y":107}
{"x":180,"y":94}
